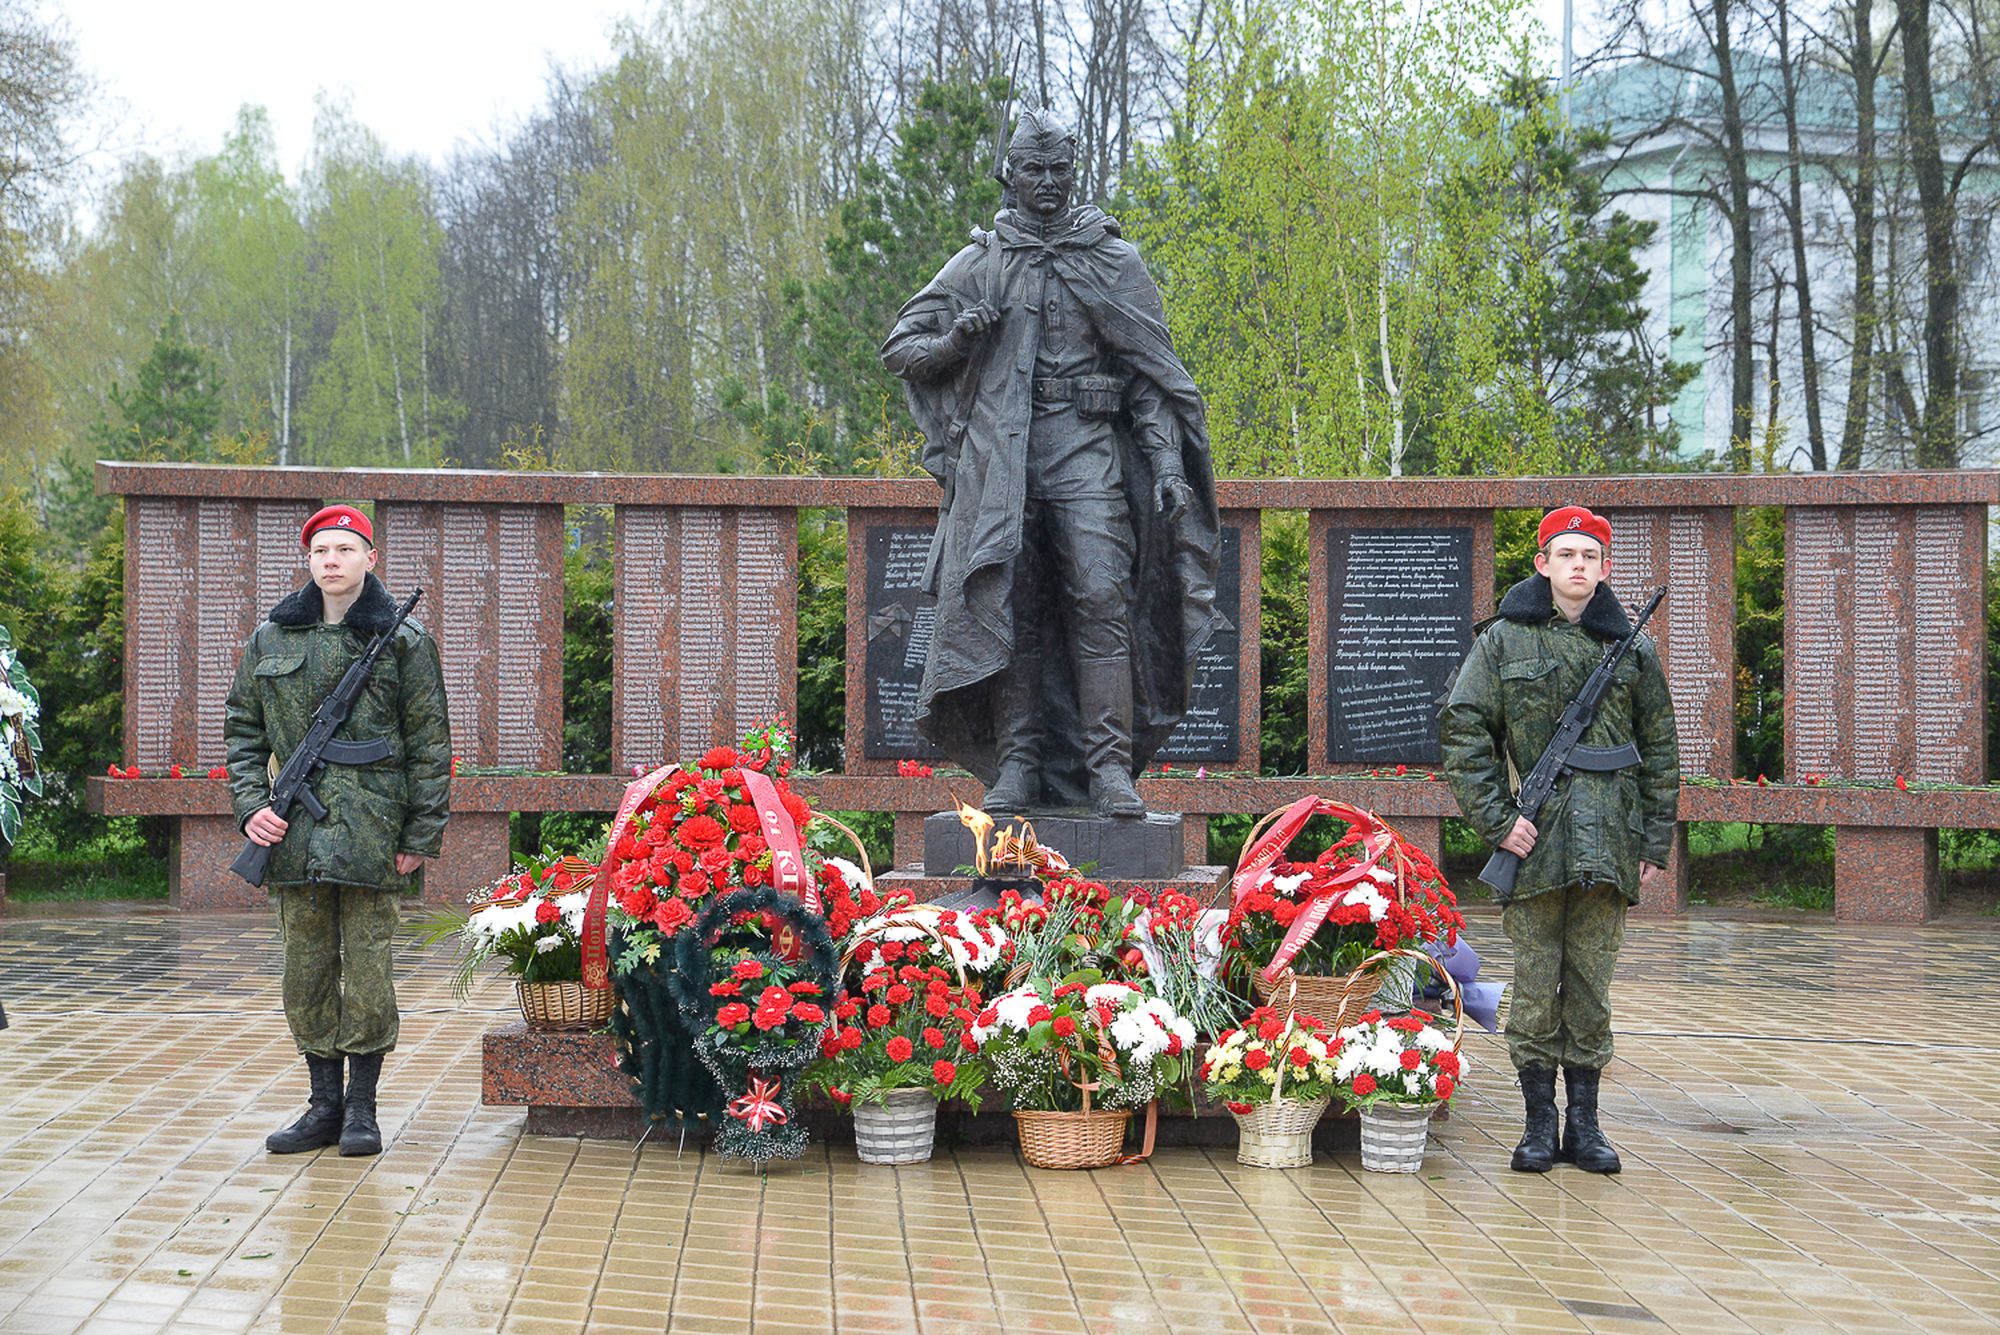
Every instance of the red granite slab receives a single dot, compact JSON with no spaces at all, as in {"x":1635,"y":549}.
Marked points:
{"x":1693,"y":553}
{"x":705,"y":627}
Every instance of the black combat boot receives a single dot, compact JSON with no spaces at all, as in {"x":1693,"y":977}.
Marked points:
{"x":1583,"y":1141}
{"x":359,"y":1134}
{"x":320,"y":1126}
{"x":1537,"y":1151}
{"x":1104,"y":704}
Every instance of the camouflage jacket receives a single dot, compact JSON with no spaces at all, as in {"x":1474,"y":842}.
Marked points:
{"x":374,"y":811}
{"x":1502,"y":711}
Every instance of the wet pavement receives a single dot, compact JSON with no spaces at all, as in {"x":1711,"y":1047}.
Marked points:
{"x":1807,"y":1115}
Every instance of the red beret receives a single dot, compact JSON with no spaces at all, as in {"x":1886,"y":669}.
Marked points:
{"x":1573,"y":518}
{"x":339,"y":516}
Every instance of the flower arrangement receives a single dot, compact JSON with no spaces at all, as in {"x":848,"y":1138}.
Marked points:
{"x":903,"y":1026}
{"x":20,"y":739}
{"x":1077,"y":924}
{"x":1404,"y":1059}
{"x":531,"y":919}
{"x":1044,"y":1042}
{"x":1179,"y":943}
{"x":1269,"y":1057}
{"x":1364,"y":914}
{"x":697,"y":834}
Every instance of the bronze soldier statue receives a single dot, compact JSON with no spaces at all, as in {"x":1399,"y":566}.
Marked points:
{"x":1078,"y":539}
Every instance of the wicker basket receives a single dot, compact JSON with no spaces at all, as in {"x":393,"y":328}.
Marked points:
{"x":1393,"y":1136}
{"x":1073,"y":1139}
{"x":1335,"y":1000}
{"x":1279,"y":1133}
{"x":900,"y":1129}
{"x":563,"y":1005}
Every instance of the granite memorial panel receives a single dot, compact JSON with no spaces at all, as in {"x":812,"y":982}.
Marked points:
{"x":1885,"y":643}
{"x":492,"y":577}
{"x":705,"y":628}
{"x":888,"y":636}
{"x":1394,"y":599}
{"x":186,"y":620}
{"x":1693,"y":553}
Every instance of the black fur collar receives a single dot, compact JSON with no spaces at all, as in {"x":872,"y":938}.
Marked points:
{"x":1531,"y":600}
{"x":373,"y":612}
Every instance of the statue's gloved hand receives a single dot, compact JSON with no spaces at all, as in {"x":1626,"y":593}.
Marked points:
{"x":973,"y":323}
{"x":1172,"y":495}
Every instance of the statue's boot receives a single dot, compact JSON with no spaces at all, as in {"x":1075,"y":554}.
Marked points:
{"x":320,"y":1126}
{"x":1583,"y":1140}
{"x":1104,"y":702}
{"x":1537,"y":1151}
{"x":1017,"y":743}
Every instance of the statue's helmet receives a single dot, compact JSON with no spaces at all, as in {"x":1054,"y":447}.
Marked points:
{"x":1041,"y":132}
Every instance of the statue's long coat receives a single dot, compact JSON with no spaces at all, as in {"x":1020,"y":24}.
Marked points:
{"x":979,"y":441}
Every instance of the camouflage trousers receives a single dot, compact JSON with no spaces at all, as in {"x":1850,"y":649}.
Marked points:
{"x":340,"y":987}
{"x":1565,"y":948}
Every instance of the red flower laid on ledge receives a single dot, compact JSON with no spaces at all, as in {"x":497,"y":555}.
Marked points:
{"x":913,"y":769}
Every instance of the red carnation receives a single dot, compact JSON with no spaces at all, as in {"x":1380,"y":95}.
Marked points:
{"x":1173,"y":1045}
{"x":879,"y":1016}
{"x":547,"y":912}
{"x":933,"y":1038}
{"x":774,"y":998}
{"x":892,"y":951}
{"x":1256,"y":1059}
{"x":731,"y":988}
{"x":718,"y":758}
{"x":807,"y":1013}
{"x":768,"y":1019}
{"x":1269,"y":1030}
{"x":700,"y":832}
{"x":1039,"y":1014}
{"x":672,"y":915}
{"x":851,"y":1037}
{"x":899,"y":994}
{"x":1447,"y":1061}
{"x":218,"y":773}
{"x":734,"y":1013}
{"x":1411,"y":1059}
{"x":900,"y":1049}
{"x":938,"y":1005}
{"x":1241,"y":1109}
{"x":805,"y":987}
{"x":1364,"y":1085}
{"x":1065,"y":1026}
{"x":1445,"y":1086}
{"x":743,"y":819}
{"x":988,"y":1016}
{"x":748,"y":970}
{"x":1299,"y":1056}
{"x":840,"y":1096}
{"x":943,"y":1072}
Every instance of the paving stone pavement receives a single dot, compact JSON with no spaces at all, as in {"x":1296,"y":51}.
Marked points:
{"x":1807,"y":1115}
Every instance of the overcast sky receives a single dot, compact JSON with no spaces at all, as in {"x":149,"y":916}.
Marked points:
{"x":424,"y":75}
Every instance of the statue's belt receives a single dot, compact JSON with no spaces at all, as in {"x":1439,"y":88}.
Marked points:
{"x":1062,"y":389}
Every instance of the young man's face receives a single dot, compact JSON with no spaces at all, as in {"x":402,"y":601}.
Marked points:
{"x":340,"y":561}
{"x":1575,"y":565}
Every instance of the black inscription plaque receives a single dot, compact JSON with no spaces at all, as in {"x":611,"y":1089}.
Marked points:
{"x":900,"y":617}
{"x":1208,"y":732}
{"x":1399,"y":604}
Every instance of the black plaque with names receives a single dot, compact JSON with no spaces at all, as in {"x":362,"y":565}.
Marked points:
{"x":900,"y":617}
{"x":1208,"y":731}
{"x":1399,"y":604}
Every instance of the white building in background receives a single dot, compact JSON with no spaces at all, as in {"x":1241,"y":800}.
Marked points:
{"x":1657,"y":168}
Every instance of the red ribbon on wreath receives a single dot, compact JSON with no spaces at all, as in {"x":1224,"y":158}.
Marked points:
{"x":596,"y":959}
{"x":760,"y":1106}
{"x":1376,"y":837}
{"x":781,"y":836}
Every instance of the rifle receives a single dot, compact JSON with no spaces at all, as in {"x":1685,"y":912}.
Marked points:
{"x":293,"y":786}
{"x":1566,"y":752}
{"x":968,"y":374}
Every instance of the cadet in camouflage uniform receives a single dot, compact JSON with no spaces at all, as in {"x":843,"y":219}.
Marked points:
{"x":1600,"y":837}
{"x":338,"y":882}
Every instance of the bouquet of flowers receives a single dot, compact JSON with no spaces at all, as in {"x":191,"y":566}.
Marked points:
{"x":20,"y":739}
{"x":1077,"y":924}
{"x":1404,"y":1059}
{"x":531,"y":919}
{"x":1363,"y":899}
{"x":696,"y":835}
{"x":1180,"y":947}
{"x":902,"y":1027}
{"x":1270,"y":1057}
{"x":1045,"y":1042}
